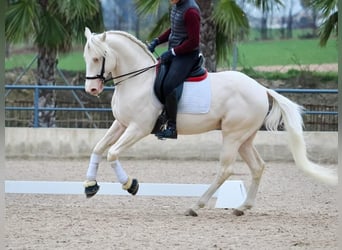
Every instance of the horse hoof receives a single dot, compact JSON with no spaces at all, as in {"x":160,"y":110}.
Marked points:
{"x":134,"y":187}
{"x":90,"y":191}
{"x":238,"y":212}
{"x":191,"y":212}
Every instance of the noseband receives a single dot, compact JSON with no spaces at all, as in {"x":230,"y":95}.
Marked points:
{"x":130,"y":74}
{"x":101,"y":75}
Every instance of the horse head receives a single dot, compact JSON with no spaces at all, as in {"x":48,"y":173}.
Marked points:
{"x":95,"y":53}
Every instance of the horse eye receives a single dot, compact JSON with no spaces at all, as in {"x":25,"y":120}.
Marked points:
{"x":95,"y":60}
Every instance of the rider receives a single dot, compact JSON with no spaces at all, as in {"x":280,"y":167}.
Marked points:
{"x":183,"y":51}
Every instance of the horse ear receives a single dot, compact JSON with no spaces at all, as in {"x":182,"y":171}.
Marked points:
{"x":87,"y":32}
{"x":103,"y":36}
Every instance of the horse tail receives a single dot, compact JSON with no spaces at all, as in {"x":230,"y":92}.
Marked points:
{"x":286,"y":112}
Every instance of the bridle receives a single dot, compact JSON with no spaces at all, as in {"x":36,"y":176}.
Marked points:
{"x":130,"y":74}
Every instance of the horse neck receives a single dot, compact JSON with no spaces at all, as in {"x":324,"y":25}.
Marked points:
{"x":142,"y":82}
{"x":130,"y":57}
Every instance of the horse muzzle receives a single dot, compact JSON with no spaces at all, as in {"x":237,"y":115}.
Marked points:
{"x":94,"y":87}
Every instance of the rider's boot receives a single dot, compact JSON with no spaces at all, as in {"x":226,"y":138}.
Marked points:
{"x":170,"y":128}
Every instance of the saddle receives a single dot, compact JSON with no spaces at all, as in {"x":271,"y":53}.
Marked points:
{"x":198,"y":70}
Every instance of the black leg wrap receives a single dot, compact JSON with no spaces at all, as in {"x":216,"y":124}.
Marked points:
{"x":134,"y":187}
{"x":91,"y":190}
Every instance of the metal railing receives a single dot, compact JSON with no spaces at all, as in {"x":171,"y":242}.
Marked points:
{"x":36,"y":109}
{"x":311,"y":91}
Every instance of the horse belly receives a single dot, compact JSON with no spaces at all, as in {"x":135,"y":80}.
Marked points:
{"x":196,"y":124}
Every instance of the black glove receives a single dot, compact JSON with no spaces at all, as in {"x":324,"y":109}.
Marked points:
{"x":166,"y":56}
{"x":152,"y":45}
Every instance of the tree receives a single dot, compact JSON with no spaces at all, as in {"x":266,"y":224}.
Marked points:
{"x":52,"y":25}
{"x":223,"y":23}
{"x":306,"y":4}
{"x":329,"y":12}
{"x":289,"y":21}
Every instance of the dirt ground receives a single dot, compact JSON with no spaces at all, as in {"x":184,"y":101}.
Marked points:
{"x":292,"y":211}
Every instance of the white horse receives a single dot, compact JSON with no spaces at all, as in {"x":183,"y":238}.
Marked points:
{"x":239,"y":107}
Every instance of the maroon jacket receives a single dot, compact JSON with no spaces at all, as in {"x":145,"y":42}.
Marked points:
{"x":192,"y":22}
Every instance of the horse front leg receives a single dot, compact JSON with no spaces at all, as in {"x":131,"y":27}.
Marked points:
{"x":111,"y":136}
{"x":130,"y":136}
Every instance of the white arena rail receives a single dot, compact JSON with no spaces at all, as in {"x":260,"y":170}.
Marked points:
{"x":230,"y":195}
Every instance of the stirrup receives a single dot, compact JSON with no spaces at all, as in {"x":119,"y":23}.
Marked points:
{"x":167,"y":133}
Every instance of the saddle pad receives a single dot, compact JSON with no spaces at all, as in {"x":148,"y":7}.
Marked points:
{"x":196,"y":97}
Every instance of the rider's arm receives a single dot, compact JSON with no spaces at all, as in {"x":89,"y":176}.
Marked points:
{"x":165,"y":36}
{"x":192,"y":23}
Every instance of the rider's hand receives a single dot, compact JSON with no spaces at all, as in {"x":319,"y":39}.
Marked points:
{"x":166,"y":56}
{"x":152,"y":45}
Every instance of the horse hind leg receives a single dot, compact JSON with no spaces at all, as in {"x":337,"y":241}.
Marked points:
{"x":227,"y":157}
{"x":256,"y":165}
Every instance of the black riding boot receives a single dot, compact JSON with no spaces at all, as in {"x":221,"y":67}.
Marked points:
{"x":170,"y":129}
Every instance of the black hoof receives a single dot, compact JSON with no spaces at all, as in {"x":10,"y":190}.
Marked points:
{"x":134,"y":187}
{"x":91,"y":190}
{"x":238,"y":212}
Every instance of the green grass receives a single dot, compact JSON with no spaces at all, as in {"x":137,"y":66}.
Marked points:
{"x":72,"y":61}
{"x":293,"y":74}
{"x":251,"y":54}
{"x":285,"y":52}
{"x":254,"y":34}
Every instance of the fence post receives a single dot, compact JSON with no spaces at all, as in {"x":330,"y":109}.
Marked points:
{"x":36,"y":107}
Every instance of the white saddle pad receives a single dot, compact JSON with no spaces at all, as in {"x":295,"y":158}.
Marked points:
{"x":196,"y":97}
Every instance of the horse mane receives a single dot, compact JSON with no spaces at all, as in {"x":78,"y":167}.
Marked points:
{"x":133,"y":39}
{"x":103,"y":48}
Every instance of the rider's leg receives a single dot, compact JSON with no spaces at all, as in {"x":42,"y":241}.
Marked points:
{"x":179,"y":68}
{"x":171,"y":104}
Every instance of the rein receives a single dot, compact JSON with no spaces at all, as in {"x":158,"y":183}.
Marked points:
{"x":130,"y":74}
